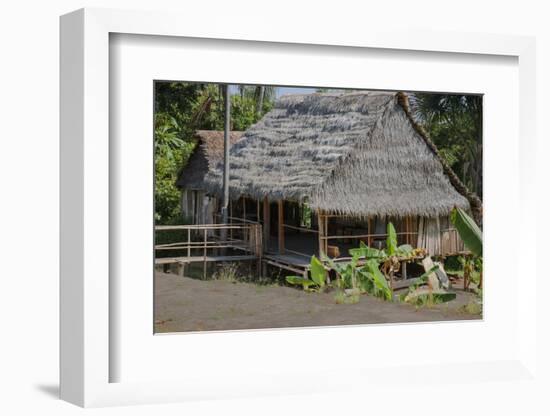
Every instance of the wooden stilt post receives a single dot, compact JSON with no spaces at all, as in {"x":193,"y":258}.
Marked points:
{"x":325,"y":246}
{"x":321,"y":227}
{"x":411,"y":238}
{"x":266,"y":224}
{"x":407,"y":231}
{"x":246,"y":234}
{"x":258,"y":210}
{"x":231,"y":219}
{"x":281,"y":228}
{"x":258,"y":251}
{"x":204,"y":254}
{"x":369,"y":228}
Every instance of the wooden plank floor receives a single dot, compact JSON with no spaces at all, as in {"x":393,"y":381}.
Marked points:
{"x":208,"y":259}
{"x":290,"y":259}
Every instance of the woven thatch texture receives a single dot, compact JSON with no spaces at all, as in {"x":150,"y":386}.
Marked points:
{"x":207,"y":155}
{"x":354,"y":153}
{"x":393,"y":172}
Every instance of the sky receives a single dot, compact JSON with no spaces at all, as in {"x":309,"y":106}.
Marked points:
{"x":282,"y":90}
{"x":293,"y":90}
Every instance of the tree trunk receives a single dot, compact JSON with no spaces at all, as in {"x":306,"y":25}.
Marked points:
{"x":260,"y":102}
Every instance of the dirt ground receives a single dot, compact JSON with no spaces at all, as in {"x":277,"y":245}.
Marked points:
{"x":185,"y":304}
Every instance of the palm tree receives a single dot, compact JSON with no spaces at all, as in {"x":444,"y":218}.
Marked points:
{"x":263,"y":92}
{"x":455,"y":125}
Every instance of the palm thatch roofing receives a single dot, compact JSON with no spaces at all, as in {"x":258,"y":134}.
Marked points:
{"x":358,"y":154}
{"x":207,"y":155}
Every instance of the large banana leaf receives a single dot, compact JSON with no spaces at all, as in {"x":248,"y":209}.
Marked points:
{"x":299,"y":280}
{"x":468,"y":230}
{"x":366,"y":281}
{"x":318,"y":272}
{"x":425,"y":296}
{"x":367,"y":252}
{"x":391,"y":240}
{"x":379,"y":279}
{"x":338,"y":267}
{"x":404,"y":250}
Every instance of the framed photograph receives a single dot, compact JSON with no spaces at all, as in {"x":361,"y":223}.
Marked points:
{"x":285,"y":213}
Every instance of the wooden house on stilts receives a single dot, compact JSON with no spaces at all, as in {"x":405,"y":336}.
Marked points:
{"x":322,"y":171}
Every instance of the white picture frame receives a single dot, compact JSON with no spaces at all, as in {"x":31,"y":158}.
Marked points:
{"x":86,"y":334}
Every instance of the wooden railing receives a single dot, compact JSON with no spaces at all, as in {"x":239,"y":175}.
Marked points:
{"x":203,"y":237}
{"x":212,"y":243}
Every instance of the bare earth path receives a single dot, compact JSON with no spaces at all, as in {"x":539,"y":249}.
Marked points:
{"x":184,"y":304}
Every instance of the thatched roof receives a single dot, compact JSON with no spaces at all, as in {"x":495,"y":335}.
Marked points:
{"x":355,"y":154}
{"x":207,"y":154}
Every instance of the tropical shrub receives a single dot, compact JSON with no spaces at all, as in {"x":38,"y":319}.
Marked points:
{"x":427,"y":297}
{"x":472,"y":236}
{"x":318,"y":276}
{"x":181,"y":108}
{"x":370,"y":277}
{"x":468,"y":230}
{"x":228,"y":272}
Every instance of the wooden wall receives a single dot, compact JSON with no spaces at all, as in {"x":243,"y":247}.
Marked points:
{"x":197,"y":207}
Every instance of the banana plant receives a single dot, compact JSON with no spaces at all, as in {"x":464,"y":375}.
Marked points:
{"x":374,"y":282}
{"x":468,"y":230}
{"x":367,"y":252}
{"x":392,"y":249}
{"x":344,"y":271}
{"x":391,"y":240}
{"x":419,"y":297}
{"x":472,"y":236}
{"x":367,"y":278}
{"x":318,"y":276}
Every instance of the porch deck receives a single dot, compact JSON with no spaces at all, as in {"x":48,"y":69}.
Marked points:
{"x":300,"y":248}
{"x":208,"y":259}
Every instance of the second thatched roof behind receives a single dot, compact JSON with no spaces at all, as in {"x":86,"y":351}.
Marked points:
{"x":207,"y":155}
{"x":351,"y":154}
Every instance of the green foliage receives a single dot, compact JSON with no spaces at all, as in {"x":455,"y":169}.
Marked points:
{"x":167,"y":196}
{"x":318,"y":272}
{"x":306,"y":215}
{"x":428,"y":297}
{"x":343,"y":298}
{"x":299,"y":280}
{"x":367,"y":252}
{"x":468,"y":230}
{"x":369,"y":271}
{"x":404,"y":250}
{"x":432,"y":298}
{"x":181,"y":108}
{"x":472,"y":265}
{"x":454,"y":123}
{"x":369,"y":278}
{"x":474,"y":307}
{"x":318,"y":276}
{"x":421,"y":280}
{"x":380,"y":285}
{"x":391,"y":240}
{"x":366,"y":278}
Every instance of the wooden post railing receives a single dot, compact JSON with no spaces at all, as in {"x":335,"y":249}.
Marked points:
{"x":247,"y":238}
